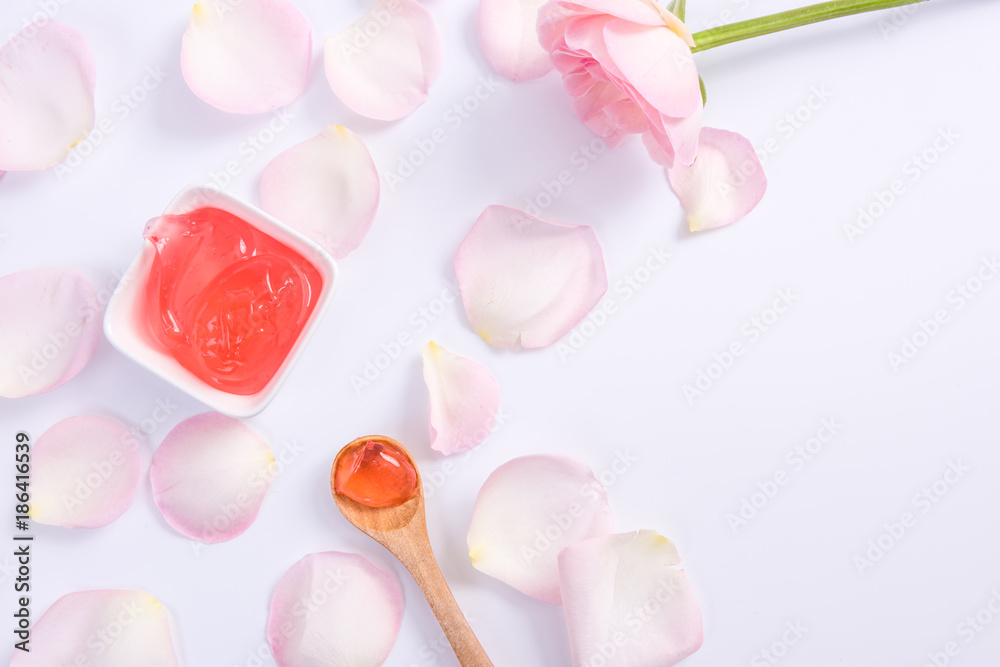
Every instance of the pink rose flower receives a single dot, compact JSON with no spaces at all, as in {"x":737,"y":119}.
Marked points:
{"x":628,"y":66}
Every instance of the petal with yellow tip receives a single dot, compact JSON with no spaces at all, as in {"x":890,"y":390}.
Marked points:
{"x":246,"y":57}
{"x":529,"y":510}
{"x":624,"y":591}
{"x":325,"y":187}
{"x":725,"y":182}
{"x":464,"y":400}
{"x":528,"y":280}
{"x":85,"y":473}
{"x":47,"y":80}
{"x":103,"y":628}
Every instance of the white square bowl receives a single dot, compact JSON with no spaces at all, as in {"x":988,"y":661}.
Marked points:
{"x":127,"y":331}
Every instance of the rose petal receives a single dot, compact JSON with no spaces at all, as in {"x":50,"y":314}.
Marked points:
{"x":85,"y":472}
{"x":334,"y":609}
{"x":210,"y":475}
{"x":246,"y":57}
{"x":383,"y":65}
{"x":682,"y":135}
{"x":47,"y":105}
{"x":527,"y":279}
{"x":464,"y":400}
{"x":325,"y":187}
{"x":509,"y":38}
{"x":622,"y":591}
{"x":657,"y":63}
{"x":528,"y":510}
{"x":641,"y":12}
{"x":108,"y":628}
{"x":725,"y":182}
{"x":658,"y":147}
{"x":50,"y":322}
{"x":627,"y":116}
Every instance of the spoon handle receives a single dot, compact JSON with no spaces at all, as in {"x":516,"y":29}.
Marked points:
{"x":463,"y":640}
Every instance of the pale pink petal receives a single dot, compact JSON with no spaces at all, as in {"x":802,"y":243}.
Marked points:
{"x":464,"y":400}
{"x":334,"y":609}
{"x":683,"y":134}
{"x":529,"y":510}
{"x":47,"y":80}
{"x":247,"y":57}
{"x":210,"y":475}
{"x":585,"y":36}
{"x":50,"y":323}
{"x":551,"y":27}
{"x":658,"y":147}
{"x":638,"y":11}
{"x":725,"y":182}
{"x":110,"y":628}
{"x":85,"y":472}
{"x":383,"y":65}
{"x":627,"y":116}
{"x":579,"y":82}
{"x":526,"y":279}
{"x":657,"y":63}
{"x":592,"y":102}
{"x":510,"y":40}
{"x":622,"y":595}
{"x":325,"y":187}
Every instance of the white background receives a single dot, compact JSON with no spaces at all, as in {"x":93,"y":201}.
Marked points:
{"x":892,"y":92}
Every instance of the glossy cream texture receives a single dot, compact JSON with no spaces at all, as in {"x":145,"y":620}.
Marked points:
{"x":225,"y":299}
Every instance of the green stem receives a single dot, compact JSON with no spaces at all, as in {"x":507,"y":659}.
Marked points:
{"x":734,"y":32}
{"x":680,"y":9}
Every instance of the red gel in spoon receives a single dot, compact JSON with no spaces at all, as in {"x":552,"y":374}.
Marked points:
{"x":225,"y":299}
{"x":375,"y":473}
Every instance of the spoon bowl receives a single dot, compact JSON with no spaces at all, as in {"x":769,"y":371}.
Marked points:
{"x":402,"y":529}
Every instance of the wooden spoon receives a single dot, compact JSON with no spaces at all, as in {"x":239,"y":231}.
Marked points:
{"x":402,"y":529}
